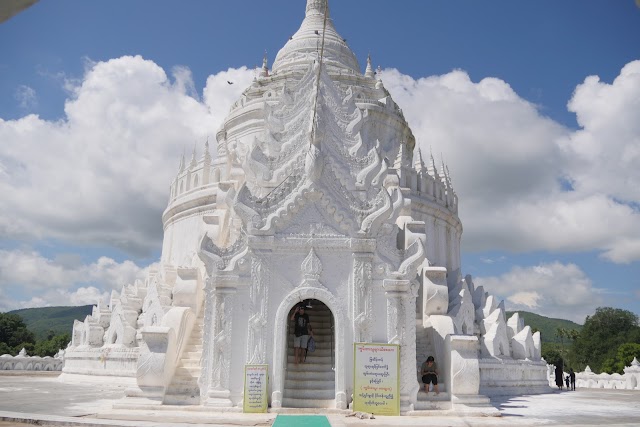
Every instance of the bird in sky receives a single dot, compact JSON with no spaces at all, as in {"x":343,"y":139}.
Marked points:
{"x":229,"y":82}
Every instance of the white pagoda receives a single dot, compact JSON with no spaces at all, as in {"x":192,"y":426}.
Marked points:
{"x":316,"y":195}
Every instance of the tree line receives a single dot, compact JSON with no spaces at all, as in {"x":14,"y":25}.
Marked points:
{"x":14,"y":336}
{"x":608,"y":342}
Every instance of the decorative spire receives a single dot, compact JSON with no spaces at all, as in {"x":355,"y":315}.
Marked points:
{"x":206,"y":156}
{"x":433,"y":170}
{"x":317,"y":7}
{"x":369,"y":71}
{"x":264,"y":72}
{"x":181,"y":166}
{"x":400,"y":157}
{"x":193,"y":157}
{"x":419,"y":163}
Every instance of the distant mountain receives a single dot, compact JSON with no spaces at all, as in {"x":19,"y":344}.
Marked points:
{"x":57,"y":319}
{"x":546,"y":325}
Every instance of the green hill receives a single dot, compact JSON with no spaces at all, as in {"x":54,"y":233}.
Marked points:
{"x":57,"y":319}
{"x":546,"y":325}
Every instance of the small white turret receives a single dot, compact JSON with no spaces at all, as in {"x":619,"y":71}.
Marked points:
{"x":264,"y":72}
{"x":369,"y":71}
{"x":193,"y":162}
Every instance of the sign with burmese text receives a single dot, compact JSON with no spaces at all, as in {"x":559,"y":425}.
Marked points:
{"x":255,"y":388}
{"x":376,"y":380}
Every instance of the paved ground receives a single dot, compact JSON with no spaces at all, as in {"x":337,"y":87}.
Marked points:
{"x":43,"y":400}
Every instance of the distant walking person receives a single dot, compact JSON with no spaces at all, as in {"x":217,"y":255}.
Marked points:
{"x":559,"y":374}
{"x":572,"y":377}
{"x":566,"y":381}
{"x":429,"y":372}
{"x":301,"y":331}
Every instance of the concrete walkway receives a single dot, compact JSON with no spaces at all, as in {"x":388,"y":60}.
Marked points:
{"x":30,"y":398}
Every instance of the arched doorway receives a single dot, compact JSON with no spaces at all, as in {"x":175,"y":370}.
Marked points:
{"x":328,"y":312}
{"x":311,"y":384}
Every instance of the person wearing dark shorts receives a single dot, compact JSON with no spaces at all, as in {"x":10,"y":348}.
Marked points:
{"x":302,"y":330}
{"x":429,"y":372}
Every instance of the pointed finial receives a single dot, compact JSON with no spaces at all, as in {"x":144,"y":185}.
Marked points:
{"x":400,"y":157}
{"x":206,"y":156}
{"x":369,"y":71}
{"x":181,"y":166}
{"x":193,"y":156}
{"x":264,"y":72}
{"x":317,"y":7}
{"x":433,"y":170}
{"x":419,"y":163}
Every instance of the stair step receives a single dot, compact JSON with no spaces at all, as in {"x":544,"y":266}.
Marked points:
{"x":312,"y":359}
{"x":303,"y":375}
{"x":432,"y":397}
{"x":310,"y":384}
{"x":309,"y":394}
{"x":309,"y":367}
{"x":193,"y":347}
{"x":192,"y":371}
{"x":289,"y":402}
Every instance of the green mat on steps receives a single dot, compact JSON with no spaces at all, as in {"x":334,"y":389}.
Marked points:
{"x":301,"y":421}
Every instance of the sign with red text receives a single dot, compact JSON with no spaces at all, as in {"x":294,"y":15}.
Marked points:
{"x":376,"y":378}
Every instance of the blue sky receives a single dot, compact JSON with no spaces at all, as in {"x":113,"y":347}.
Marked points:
{"x":99,"y":99}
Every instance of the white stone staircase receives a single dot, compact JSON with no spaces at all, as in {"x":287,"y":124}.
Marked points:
{"x":184,"y":389}
{"x":312,"y":383}
{"x":424,"y":349}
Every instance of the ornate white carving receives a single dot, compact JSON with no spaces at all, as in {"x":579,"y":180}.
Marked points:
{"x":259,"y":297}
{"x":311,"y":266}
{"x":362,"y":301}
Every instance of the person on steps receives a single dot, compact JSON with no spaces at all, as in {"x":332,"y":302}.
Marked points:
{"x":429,"y":372}
{"x":302,"y":330}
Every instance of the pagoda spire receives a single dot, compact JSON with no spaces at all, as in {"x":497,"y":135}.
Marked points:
{"x":369,"y":71}
{"x":264,"y":72}
{"x":193,"y":157}
{"x":317,"y":7}
{"x":206,"y":156}
{"x":181,"y":166}
{"x":433,"y":169}
{"x":419,"y":162}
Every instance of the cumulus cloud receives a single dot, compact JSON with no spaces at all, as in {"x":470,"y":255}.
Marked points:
{"x":59,"y":282}
{"x":101,"y":175}
{"x":555,"y":290}
{"x":525,"y":182}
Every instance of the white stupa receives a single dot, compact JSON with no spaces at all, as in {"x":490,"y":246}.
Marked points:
{"x":317,"y":194}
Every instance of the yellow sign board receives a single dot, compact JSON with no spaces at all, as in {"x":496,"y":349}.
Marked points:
{"x":376,"y":378}
{"x":256,"y":379}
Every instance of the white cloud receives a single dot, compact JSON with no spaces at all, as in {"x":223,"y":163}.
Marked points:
{"x":101,"y":174}
{"x":53,"y":282}
{"x":556,"y":290}
{"x":508,"y":162}
{"x":26,"y":97}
